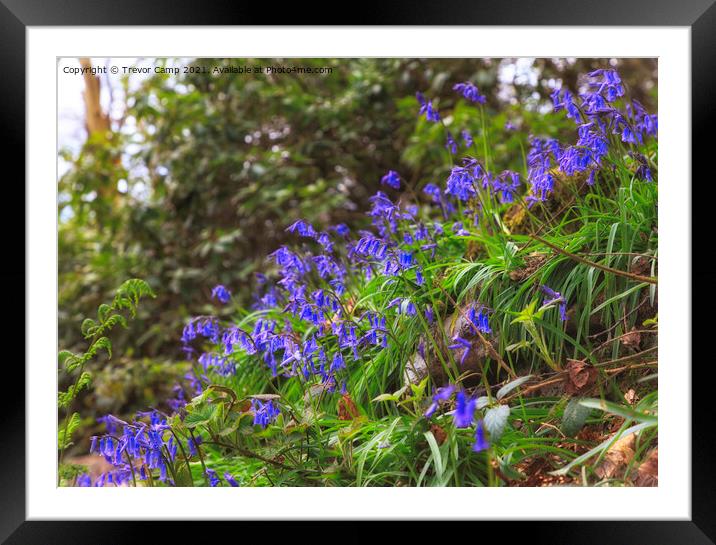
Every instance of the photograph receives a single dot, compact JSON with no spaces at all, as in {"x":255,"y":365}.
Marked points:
{"x":358,"y":272}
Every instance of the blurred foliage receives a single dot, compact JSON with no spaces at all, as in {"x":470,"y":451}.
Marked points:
{"x":203,"y":172}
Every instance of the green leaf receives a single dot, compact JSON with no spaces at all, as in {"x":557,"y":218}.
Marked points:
{"x":600,"y":448}
{"x":619,"y":410}
{"x":386,"y":397}
{"x":507,"y":388}
{"x":64,"y":398}
{"x":436,"y":454}
{"x":68,"y":360}
{"x":62,"y":357}
{"x":64,"y":436}
{"x":102,"y":312}
{"x":129,"y":294}
{"x":200,"y":416}
{"x":184,"y":477}
{"x":495,"y":421}
{"x":88,"y":328}
{"x":102,"y":343}
{"x":113,"y":321}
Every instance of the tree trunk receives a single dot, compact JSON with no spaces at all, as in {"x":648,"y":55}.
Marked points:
{"x":96,"y":121}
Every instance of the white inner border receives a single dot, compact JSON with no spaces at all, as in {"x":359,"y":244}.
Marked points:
{"x":672,"y":498}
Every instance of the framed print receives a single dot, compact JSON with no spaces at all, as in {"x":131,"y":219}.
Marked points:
{"x":404,"y":270}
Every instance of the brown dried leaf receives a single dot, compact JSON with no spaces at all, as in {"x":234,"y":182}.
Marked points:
{"x":265,"y":397}
{"x":632,"y":339}
{"x":439,"y":433}
{"x":532,"y":262}
{"x":640,"y":265}
{"x":347,"y":409}
{"x":631,"y":397}
{"x":648,"y":472}
{"x":580,"y":377}
{"x":617,"y":457}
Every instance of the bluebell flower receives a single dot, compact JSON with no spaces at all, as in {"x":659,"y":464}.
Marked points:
{"x":467,"y":138}
{"x":461,"y":183}
{"x":642,"y":167}
{"x":429,"y":315}
{"x":461,"y":344}
{"x":213,"y":477}
{"x":470,"y":92}
{"x":111,"y":422}
{"x":565,"y":100}
{"x":229,"y":478}
{"x":450,"y":143}
{"x":383,"y":211}
{"x":304,"y":229}
{"x":590,"y":178}
{"x":421,"y":233}
{"x":337,"y":363}
{"x":264,"y":413}
{"x":507,"y":184}
{"x":480,"y":320}
{"x":327,"y":267}
{"x":208,"y":328}
{"x":221,"y":293}
{"x":459,"y":230}
{"x":342,"y":229}
{"x":509,"y":126}
{"x":84,"y":480}
{"x":607,"y":83}
{"x":441,"y":394}
{"x":193,"y":444}
{"x":403,"y":306}
{"x":544,"y":154}
{"x":433,"y":191}
{"x":290,"y":263}
{"x":406,"y":260}
{"x":189,"y":333}
{"x":464,"y":410}
{"x":481,"y":443}
{"x":392,"y":179}
{"x":371,"y":246}
{"x":426,"y":107}
{"x":376,"y":334}
{"x":555,"y":297}
{"x":324,"y":240}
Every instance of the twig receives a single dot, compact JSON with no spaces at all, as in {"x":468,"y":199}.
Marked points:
{"x":625,"y":274}
{"x":559,"y":376}
{"x":605,"y":343}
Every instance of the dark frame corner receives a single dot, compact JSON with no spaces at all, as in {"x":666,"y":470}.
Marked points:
{"x":699,"y":15}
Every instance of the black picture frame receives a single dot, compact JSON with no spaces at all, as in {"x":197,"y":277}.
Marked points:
{"x":699,"y":15}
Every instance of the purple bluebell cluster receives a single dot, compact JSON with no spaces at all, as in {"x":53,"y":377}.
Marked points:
{"x":309,"y":322}
{"x":264,"y":412}
{"x":470,"y":92}
{"x":601,"y":125}
{"x":463,"y":415}
{"x":134,"y":449}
